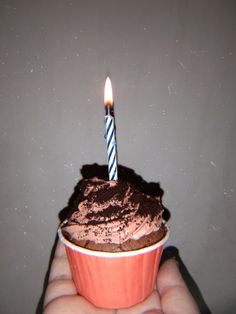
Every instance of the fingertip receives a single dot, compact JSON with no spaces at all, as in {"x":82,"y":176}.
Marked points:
{"x":60,"y":269}
{"x":170,"y":265}
{"x":60,"y":249}
{"x":58,"y":288}
{"x":171,"y":262}
{"x":169,"y":276}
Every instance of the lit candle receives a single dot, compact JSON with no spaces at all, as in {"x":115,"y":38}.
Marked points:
{"x":110,"y":131}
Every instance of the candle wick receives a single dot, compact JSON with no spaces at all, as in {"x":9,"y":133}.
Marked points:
{"x":110,"y":110}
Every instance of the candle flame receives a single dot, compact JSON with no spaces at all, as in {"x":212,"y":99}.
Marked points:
{"x":108,"y":95}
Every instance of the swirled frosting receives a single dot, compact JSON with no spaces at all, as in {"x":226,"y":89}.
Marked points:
{"x":113,"y":212}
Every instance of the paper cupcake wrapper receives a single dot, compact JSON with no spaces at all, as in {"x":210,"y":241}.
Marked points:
{"x":114,"y":279}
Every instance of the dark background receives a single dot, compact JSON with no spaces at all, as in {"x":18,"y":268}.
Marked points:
{"x":172,"y":65}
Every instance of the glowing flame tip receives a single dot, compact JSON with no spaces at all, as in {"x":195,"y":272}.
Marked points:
{"x":108,"y":95}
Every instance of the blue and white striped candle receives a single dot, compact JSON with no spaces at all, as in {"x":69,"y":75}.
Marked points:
{"x":110,"y":132}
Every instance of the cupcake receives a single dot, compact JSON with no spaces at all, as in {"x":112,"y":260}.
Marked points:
{"x":114,"y":240}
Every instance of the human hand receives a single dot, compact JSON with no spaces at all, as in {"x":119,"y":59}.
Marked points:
{"x":170,"y":296}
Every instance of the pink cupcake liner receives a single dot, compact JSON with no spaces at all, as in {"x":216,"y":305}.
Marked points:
{"x":114,"y":279}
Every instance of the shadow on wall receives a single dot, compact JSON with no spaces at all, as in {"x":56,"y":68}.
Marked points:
{"x":150,"y":188}
{"x":125,"y":174}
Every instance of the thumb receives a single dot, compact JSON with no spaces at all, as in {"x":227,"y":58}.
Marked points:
{"x":175,"y":296}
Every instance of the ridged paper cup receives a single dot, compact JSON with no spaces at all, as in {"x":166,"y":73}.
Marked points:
{"x":114,"y":279}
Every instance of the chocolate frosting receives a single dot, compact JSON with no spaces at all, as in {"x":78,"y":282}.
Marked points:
{"x":113,"y":212}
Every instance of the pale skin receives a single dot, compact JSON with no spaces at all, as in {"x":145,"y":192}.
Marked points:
{"x":170,"y":295}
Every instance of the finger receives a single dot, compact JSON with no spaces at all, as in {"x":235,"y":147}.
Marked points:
{"x":60,"y":249}
{"x":175,"y":296}
{"x":60,"y":280}
{"x":74,"y":305}
{"x":60,"y":267}
{"x":169,"y":276}
{"x":58,"y":288}
{"x":152,"y":303}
